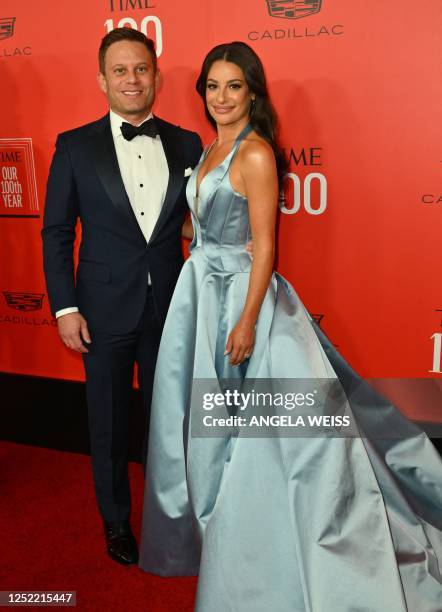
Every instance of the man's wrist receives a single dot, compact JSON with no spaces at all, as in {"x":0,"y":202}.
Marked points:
{"x":65,"y":311}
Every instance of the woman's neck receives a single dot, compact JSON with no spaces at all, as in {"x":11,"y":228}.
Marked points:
{"x":227,"y":133}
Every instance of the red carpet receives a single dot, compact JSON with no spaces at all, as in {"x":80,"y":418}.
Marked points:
{"x":51,"y":536}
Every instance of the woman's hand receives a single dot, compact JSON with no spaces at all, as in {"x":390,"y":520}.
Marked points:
{"x":240,"y":342}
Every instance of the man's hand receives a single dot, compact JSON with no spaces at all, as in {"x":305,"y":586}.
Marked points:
{"x":187,"y":229}
{"x":249,"y":248}
{"x":73,"y":331}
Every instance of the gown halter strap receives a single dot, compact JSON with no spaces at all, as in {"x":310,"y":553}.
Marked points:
{"x":231,"y":156}
{"x":244,"y":132}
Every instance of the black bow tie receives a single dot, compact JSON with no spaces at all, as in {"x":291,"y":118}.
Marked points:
{"x":148,"y":128}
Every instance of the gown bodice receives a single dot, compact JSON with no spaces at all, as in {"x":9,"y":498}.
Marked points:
{"x":220,"y":215}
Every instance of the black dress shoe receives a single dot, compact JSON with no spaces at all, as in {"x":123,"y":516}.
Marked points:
{"x":121,"y":544}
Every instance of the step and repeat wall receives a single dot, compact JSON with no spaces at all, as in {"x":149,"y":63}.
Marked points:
{"x":357,"y":89}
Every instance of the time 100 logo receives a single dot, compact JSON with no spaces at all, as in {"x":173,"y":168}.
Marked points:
{"x":291,"y":200}
{"x":150,"y":26}
{"x":309,"y":193}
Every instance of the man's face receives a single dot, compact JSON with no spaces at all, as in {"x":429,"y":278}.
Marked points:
{"x":129,"y":80}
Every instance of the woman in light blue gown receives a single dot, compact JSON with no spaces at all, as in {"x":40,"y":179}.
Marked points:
{"x":274,"y":524}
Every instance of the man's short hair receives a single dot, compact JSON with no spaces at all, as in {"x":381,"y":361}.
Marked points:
{"x":119,"y":34}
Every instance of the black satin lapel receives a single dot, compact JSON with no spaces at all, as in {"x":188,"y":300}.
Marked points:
{"x":176,"y":175}
{"x":108,"y":170}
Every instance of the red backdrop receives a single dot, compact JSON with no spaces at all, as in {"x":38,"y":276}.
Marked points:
{"x":358,"y":92}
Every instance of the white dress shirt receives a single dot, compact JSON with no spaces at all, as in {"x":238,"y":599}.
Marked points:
{"x":145,"y":173}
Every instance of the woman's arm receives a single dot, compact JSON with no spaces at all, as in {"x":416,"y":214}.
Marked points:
{"x":187,"y":229}
{"x":259,"y":176}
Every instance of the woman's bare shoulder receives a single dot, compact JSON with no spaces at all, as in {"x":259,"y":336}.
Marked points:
{"x":256,"y":152}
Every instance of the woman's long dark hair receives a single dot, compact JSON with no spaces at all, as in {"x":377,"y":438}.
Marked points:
{"x":262,"y":116}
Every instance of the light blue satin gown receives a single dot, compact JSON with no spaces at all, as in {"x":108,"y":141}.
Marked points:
{"x":279,"y":524}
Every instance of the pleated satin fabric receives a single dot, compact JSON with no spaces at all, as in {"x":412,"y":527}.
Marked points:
{"x":279,"y":524}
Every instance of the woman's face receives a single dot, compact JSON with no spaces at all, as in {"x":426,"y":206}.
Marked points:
{"x":228,"y":97}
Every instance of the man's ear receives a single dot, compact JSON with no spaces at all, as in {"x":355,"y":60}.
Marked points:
{"x":158,"y":80}
{"x":102,"y":84}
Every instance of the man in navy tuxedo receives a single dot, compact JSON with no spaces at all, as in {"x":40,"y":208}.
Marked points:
{"x":124,"y":177}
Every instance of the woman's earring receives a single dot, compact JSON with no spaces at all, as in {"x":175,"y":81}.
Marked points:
{"x":252,"y":107}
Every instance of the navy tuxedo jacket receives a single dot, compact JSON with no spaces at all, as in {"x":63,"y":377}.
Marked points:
{"x":85,"y":183}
